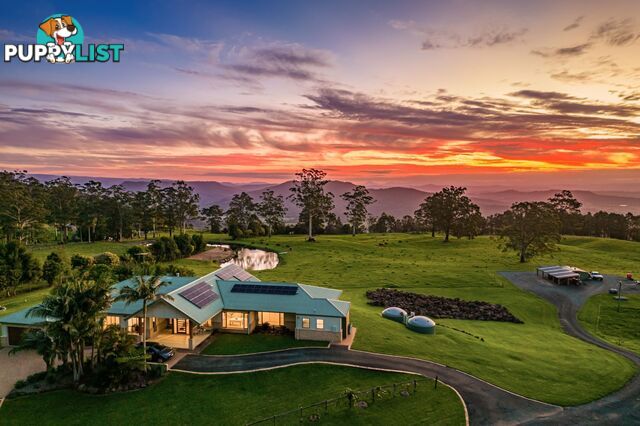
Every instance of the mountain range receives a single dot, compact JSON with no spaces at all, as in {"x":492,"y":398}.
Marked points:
{"x":397,"y":201}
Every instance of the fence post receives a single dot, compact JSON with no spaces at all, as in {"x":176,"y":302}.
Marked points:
{"x":394,"y":390}
{"x":300,"y":412}
{"x":415,"y":384}
{"x":373,"y":395}
{"x":435,"y":385}
{"x":274,"y":420}
{"x":326,"y":406}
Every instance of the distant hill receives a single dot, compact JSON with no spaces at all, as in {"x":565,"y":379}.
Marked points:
{"x":397,"y":201}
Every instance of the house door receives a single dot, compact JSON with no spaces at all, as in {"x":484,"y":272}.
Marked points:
{"x":182,"y":326}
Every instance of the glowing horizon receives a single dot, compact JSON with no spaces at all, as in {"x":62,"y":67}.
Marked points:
{"x":370,"y":92}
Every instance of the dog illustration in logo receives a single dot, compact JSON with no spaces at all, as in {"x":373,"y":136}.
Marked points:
{"x":59,"y":29}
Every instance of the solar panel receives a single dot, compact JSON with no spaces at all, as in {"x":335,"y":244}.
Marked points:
{"x":282,"y":290}
{"x":234,"y":271}
{"x":200,"y":295}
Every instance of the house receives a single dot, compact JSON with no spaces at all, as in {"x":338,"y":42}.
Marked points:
{"x":227,"y":300}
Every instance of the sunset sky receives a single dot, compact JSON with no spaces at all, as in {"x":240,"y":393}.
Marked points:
{"x":378,"y":92}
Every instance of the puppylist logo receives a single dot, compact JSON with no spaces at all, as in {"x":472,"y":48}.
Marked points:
{"x":59,"y":41}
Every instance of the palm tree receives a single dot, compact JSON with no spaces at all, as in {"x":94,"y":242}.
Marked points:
{"x":72,"y":312}
{"x":147,"y":290}
{"x":37,"y":340}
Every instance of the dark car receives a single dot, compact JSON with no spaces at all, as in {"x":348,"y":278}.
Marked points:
{"x":158,"y":352}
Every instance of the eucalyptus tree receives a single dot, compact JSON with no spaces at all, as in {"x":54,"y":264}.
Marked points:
{"x":356,"y":211}
{"x":272,"y":210}
{"x":530,"y":228}
{"x":308,"y":193}
{"x":22,"y":204}
{"x":63,"y":204}
{"x":446,"y":209}
{"x":214,"y":216}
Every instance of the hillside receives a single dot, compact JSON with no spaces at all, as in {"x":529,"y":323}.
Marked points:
{"x":398,"y":201}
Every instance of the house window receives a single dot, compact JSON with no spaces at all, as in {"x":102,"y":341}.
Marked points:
{"x":272,"y":318}
{"x":235,"y":320}
{"x":306,"y":323}
{"x":320,"y":324}
{"x":111,"y":320}
{"x":134,"y":325}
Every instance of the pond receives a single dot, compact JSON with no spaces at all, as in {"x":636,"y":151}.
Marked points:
{"x":251,"y":259}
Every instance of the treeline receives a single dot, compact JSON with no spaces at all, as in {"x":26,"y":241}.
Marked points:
{"x":90,"y":212}
{"x":29,"y":209}
{"x":19,"y":267}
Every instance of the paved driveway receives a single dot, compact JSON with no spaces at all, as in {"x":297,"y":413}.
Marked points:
{"x":17,"y":367}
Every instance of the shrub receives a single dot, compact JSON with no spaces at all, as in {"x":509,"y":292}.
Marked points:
{"x":165,"y":249}
{"x":100,"y":272}
{"x":54,"y":268}
{"x":184,"y":244}
{"x":20,"y":384}
{"x":139,"y":254}
{"x":107,"y":258}
{"x":174,"y":270}
{"x":79,"y":261}
{"x":198,"y":243}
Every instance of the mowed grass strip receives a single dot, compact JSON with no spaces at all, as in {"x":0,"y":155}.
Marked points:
{"x":601,"y":317}
{"x":235,"y":344}
{"x":186,"y":399}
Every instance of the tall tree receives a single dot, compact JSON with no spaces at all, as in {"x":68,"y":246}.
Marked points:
{"x":272,"y":210}
{"x":22,"y":204}
{"x":214,"y":216}
{"x":182,"y":204}
{"x":426,"y":215}
{"x":530,"y":228}
{"x":239,"y":214}
{"x":119,"y":211}
{"x":568,"y":209}
{"x":447,"y":208}
{"x":63,"y":204}
{"x":356,"y":211}
{"x":154,"y":199}
{"x":146,"y":290}
{"x":308,"y":193}
{"x":91,"y":209}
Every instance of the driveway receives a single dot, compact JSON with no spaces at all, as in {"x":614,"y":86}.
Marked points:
{"x":17,"y":367}
{"x":621,"y":407}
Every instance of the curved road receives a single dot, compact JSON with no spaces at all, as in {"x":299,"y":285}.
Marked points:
{"x":486,"y":403}
{"x":621,"y":407}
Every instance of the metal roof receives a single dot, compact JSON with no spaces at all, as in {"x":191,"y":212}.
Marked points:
{"x":310,"y":300}
{"x":21,"y":318}
{"x":301,"y":303}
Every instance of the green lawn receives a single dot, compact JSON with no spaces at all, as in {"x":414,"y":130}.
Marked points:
{"x":233,"y":344}
{"x":237,"y":399}
{"x":86,"y":249}
{"x":601,"y":317}
{"x":535,"y":359}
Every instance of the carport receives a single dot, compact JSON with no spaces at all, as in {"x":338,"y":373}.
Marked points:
{"x":562,"y":275}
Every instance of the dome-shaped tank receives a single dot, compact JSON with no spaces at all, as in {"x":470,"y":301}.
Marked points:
{"x":395,"y":314}
{"x":421,"y":324}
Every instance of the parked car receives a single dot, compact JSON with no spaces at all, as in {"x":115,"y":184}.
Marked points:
{"x":158,"y":352}
{"x":596,"y":276}
{"x":613,"y":291}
